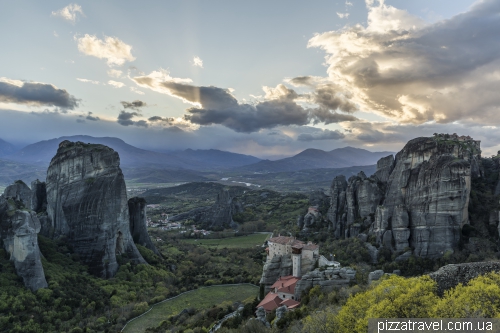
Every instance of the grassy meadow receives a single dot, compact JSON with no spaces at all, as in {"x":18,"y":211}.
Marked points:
{"x":199,"y":299}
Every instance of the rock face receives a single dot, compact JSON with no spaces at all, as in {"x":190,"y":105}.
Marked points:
{"x":451,"y":275}
{"x":218,"y":216}
{"x":260,"y":315}
{"x":138,"y":226}
{"x":19,"y":191}
{"x":279,"y":265}
{"x":353,"y":204}
{"x":87,"y":205}
{"x":19,"y":229}
{"x":328,"y":279}
{"x":38,"y":196}
{"x":417,"y":202}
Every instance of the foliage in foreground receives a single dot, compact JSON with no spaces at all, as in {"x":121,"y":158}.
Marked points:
{"x":348,"y":310}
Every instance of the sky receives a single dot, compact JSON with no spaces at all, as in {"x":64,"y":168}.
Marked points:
{"x":266,"y":78}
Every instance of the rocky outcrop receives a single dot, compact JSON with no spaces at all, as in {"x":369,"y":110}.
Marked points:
{"x":19,"y":229}
{"x":375,"y":275}
{"x":280,"y":313}
{"x":138,"y":223}
{"x":260,"y":315}
{"x":87,"y":205}
{"x":19,"y":191}
{"x":328,"y":279}
{"x":417,"y":202}
{"x":279,"y":265}
{"x":353,"y":204}
{"x":384,"y":168}
{"x":218,"y":216}
{"x":450,"y":276}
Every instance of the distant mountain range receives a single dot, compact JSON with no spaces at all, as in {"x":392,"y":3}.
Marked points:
{"x":142,"y":163}
{"x":42,"y":152}
{"x":318,"y":159}
{"x":6,"y":148}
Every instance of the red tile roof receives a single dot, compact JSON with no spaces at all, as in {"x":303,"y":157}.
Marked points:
{"x":281,"y":240}
{"x":295,"y":243}
{"x":270,"y":302}
{"x":290,"y":303}
{"x":286,"y":284}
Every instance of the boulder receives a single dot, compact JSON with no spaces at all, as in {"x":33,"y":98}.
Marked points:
{"x":375,"y":275}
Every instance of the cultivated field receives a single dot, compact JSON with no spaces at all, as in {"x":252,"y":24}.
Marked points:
{"x":199,"y":299}
{"x":231,"y":242}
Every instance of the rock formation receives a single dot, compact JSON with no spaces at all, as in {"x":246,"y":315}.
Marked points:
{"x":279,"y":265}
{"x":19,"y":229}
{"x":219,"y":215}
{"x":19,"y":191}
{"x":38,"y":196}
{"x":87,"y":205}
{"x":328,"y":279}
{"x":451,"y":275}
{"x":138,"y":226}
{"x":260,"y":315}
{"x":353,"y":204}
{"x":417,"y":202}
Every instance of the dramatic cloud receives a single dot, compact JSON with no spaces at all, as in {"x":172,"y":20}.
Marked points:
{"x":412,"y":72}
{"x":197,"y":62}
{"x":125,"y":119}
{"x":90,"y":117}
{"x":115,"y":73}
{"x":161,"y":119}
{"x":135,"y":105}
{"x":343,"y":15}
{"x":115,"y":51}
{"x":69,"y":12}
{"x":35,"y":93}
{"x":213,"y":105}
{"x":81,"y":121}
{"x":88,"y":81}
{"x":321,"y":135}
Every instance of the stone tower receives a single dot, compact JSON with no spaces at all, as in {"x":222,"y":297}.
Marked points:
{"x":297,"y":262}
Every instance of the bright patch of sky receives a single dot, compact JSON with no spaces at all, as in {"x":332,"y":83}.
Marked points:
{"x":252,"y":77}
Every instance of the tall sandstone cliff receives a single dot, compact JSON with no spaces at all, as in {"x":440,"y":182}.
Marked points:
{"x":87,"y":205}
{"x":19,"y":227}
{"x":416,"y":202}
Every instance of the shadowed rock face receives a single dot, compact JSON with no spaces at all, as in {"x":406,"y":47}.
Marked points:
{"x":38,"y":196}
{"x":279,"y":265}
{"x":19,"y":229}
{"x":138,"y":227}
{"x":87,"y":204}
{"x":220,"y":214}
{"x":419,"y":201}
